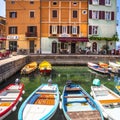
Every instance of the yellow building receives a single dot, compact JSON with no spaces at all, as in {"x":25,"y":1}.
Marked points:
{"x":47,"y":26}
{"x":2,"y":32}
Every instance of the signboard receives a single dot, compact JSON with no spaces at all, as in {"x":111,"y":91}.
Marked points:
{"x":13,"y":37}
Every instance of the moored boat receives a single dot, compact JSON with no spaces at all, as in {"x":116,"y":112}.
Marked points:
{"x":97,"y":68}
{"x":103,"y":65}
{"x":77,"y":104}
{"x":45,"y":67}
{"x":108,"y":101}
{"x":41,"y":104}
{"x":29,"y":68}
{"x":10,"y":96}
{"x":114,"y":67}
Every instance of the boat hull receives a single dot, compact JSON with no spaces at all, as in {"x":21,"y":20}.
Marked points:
{"x":9,"y":98}
{"x":107,"y":100}
{"x":41,"y":104}
{"x":76,"y":104}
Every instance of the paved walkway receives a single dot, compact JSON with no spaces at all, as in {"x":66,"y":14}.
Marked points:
{"x":10,"y":59}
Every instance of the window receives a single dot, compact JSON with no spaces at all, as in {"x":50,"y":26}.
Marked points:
{"x":64,"y":29}
{"x":13,"y":30}
{"x":13,"y":14}
{"x":54,"y":3}
{"x":32,"y":14}
{"x":32,"y":29}
{"x":74,"y":14}
{"x":31,"y":1}
{"x":95,"y":30}
{"x":108,"y":2}
{"x":108,"y":15}
{"x":95,"y":15}
{"x":12,"y":1}
{"x":54,"y":13}
{"x":54,"y":29}
{"x":74,"y":29}
{"x":74,"y":3}
{"x":95,"y":2}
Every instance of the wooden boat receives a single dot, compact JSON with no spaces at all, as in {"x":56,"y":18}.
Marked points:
{"x":10,"y":96}
{"x":41,"y":104}
{"x":114,"y":67}
{"x":29,"y":68}
{"x":97,"y":68}
{"x":45,"y":67}
{"x":77,"y":104}
{"x":108,"y":100}
{"x":103,"y":65}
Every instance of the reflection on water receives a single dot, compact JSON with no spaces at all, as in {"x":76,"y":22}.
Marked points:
{"x":60,"y":74}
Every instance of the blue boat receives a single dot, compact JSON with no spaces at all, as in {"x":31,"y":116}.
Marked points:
{"x":77,"y":104}
{"x":41,"y":104}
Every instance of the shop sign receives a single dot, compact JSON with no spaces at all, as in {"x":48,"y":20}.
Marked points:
{"x":13,"y":37}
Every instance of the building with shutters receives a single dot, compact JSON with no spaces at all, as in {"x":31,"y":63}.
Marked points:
{"x":2,"y":32}
{"x":47,"y":26}
{"x":102,"y":23}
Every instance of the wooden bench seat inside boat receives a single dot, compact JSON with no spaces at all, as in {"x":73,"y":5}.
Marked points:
{"x":84,"y":96}
{"x":85,"y":115}
{"x":72,"y":89}
{"x":45,"y":99}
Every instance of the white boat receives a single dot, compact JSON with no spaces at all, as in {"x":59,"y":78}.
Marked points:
{"x":41,"y":104}
{"x":114,"y":67}
{"x":10,"y":96}
{"x":108,"y":101}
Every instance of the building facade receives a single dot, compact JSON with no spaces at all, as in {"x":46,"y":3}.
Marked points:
{"x":23,"y":25}
{"x":2,"y":32}
{"x":102,"y":24}
{"x":60,"y":26}
{"x":47,"y":26}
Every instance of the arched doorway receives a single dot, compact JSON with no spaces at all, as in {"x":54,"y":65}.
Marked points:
{"x":94,"y":47}
{"x":54,"y":47}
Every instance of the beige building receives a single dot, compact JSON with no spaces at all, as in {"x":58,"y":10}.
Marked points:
{"x":47,"y":26}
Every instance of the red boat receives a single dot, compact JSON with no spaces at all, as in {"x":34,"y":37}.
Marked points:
{"x":10,"y":96}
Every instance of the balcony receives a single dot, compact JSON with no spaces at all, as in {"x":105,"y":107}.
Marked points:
{"x":31,"y":34}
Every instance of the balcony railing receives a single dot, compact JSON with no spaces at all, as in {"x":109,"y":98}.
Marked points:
{"x":31,"y":34}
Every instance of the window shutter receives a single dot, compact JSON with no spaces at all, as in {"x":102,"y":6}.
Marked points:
{"x":67,"y":29}
{"x":57,"y":29}
{"x":90,"y":13}
{"x":100,"y":14}
{"x":101,"y":2}
{"x":60,"y":29}
{"x":70,"y":29}
{"x":90,"y":30}
{"x":112,"y":15}
{"x":103,"y":14}
{"x":90,"y":1}
{"x":77,"y":29}
{"x":50,"y":29}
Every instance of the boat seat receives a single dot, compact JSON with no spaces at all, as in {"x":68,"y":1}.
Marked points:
{"x":84,"y":96}
{"x":72,"y":89}
{"x":85,"y":115}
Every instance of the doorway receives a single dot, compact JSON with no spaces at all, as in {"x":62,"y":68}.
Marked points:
{"x":73,"y":46}
{"x":54,"y":47}
{"x":31,"y":46}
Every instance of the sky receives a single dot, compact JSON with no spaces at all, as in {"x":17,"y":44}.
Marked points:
{"x":3,"y":13}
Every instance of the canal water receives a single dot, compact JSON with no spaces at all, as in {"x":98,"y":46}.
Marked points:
{"x":60,"y":74}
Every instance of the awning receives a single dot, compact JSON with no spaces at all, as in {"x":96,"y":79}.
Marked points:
{"x":2,"y":38}
{"x":73,"y":39}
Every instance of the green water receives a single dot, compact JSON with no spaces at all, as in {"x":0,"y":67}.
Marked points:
{"x":60,"y":74}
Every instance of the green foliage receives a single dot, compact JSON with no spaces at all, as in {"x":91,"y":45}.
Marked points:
{"x":113,"y":38}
